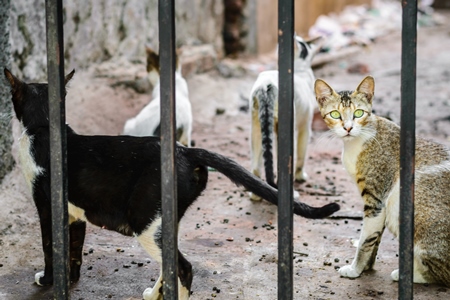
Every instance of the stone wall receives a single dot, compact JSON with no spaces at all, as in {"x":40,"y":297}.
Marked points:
{"x":104,"y":30}
{"x":6,"y":159}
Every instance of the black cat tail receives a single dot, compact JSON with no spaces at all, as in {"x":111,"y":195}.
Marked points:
{"x":267,"y":95}
{"x":241,"y":176}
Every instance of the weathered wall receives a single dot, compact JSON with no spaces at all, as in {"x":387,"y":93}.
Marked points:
{"x":97,"y":31}
{"x":6,"y":160}
{"x":94,"y":32}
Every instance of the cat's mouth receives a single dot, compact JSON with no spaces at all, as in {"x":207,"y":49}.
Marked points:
{"x":347,"y":136}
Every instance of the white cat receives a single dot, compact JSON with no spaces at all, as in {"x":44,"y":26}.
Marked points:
{"x":147,"y":122}
{"x":264,"y":110}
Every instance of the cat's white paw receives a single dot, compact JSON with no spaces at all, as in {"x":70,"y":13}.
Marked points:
{"x":147,"y":294}
{"x":418,"y":278}
{"x":151,"y":294}
{"x":38,"y":276}
{"x":296,"y":195}
{"x":348,"y":271}
{"x":301,"y":176}
{"x":254,"y":197}
{"x":394,"y":275}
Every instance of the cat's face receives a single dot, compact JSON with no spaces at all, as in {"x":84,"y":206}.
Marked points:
{"x":347,"y":114}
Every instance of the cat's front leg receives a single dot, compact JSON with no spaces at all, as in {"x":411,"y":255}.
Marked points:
{"x":45,"y":218}
{"x":373,"y":227}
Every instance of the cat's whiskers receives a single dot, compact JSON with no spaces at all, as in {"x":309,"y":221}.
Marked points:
{"x":369,"y":133}
{"x":325,"y":137}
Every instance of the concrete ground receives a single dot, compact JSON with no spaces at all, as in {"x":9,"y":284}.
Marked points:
{"x":230,"y":240}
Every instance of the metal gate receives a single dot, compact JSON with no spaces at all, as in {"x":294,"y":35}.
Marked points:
{"x":55,"y":56}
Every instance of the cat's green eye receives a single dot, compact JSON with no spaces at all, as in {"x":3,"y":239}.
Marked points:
{"x":335,"y":114}
{"x":358,"y":113}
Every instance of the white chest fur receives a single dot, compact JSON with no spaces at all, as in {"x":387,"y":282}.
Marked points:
{"x":350,"y":154}
{"x":29,"y":167}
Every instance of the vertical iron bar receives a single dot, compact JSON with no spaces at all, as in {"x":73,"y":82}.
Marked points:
{"x":167,"y":58}
{"x":285,"y":148}
{"x":407,"y":148}
{"x":58,"y":148}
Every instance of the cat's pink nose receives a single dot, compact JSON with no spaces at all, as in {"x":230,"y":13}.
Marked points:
{"x":348,"y":128}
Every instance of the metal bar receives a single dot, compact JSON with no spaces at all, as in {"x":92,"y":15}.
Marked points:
{"x":167,"y":58}
{"x":285,"y":148}
{"x":407,"y":148}
{"x":58,"y":148}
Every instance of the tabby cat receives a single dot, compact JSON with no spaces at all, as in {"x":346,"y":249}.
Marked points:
{"x":264,"y":110}
{"x":115,"y":182}
{"x":147,"y":121}
{"x":371,"y":157}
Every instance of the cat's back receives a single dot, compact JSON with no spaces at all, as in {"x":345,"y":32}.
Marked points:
{"x":102,"y":149}
{"x":387,"y":142}
{"x":430,"y":153}
{"x":264,"y":79}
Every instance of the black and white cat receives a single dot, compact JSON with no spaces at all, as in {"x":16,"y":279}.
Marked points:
{"x":115,"y":182}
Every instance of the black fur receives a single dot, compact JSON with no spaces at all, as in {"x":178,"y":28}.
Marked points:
{"x":116,"y":180}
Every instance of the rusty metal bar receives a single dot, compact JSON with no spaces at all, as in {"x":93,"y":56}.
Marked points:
{"x":58,"y":147}
{"x":407,"y":148}
{"x":285,"y":148}
{"x":166,"y":13}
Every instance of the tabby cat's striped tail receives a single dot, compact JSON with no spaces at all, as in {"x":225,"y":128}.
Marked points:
{"x":267,"y":96}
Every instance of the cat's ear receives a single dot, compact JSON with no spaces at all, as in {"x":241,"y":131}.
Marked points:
{"x":68,"y":77}
{"x":152,"y":60}
{"x":322,"y":90}
{"x":149,"y":51}
{"x":367,"y":87}
{"x":14,"y":82}
{"x":315,"y":44}
{"x":314,"y":40}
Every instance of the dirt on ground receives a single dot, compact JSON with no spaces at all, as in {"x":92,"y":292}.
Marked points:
{"x":230,"y":240}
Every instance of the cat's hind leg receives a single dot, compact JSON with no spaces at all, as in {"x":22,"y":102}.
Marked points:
{"x":150,"y":239}
{"x":417,"y":277}
{"x":154,"y":293}
{"x":77,"y":232}
{"x":184,"y":136}
{"x":419,"y":270}
{"x":256,"y":147}
{"x":301,"y":145}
